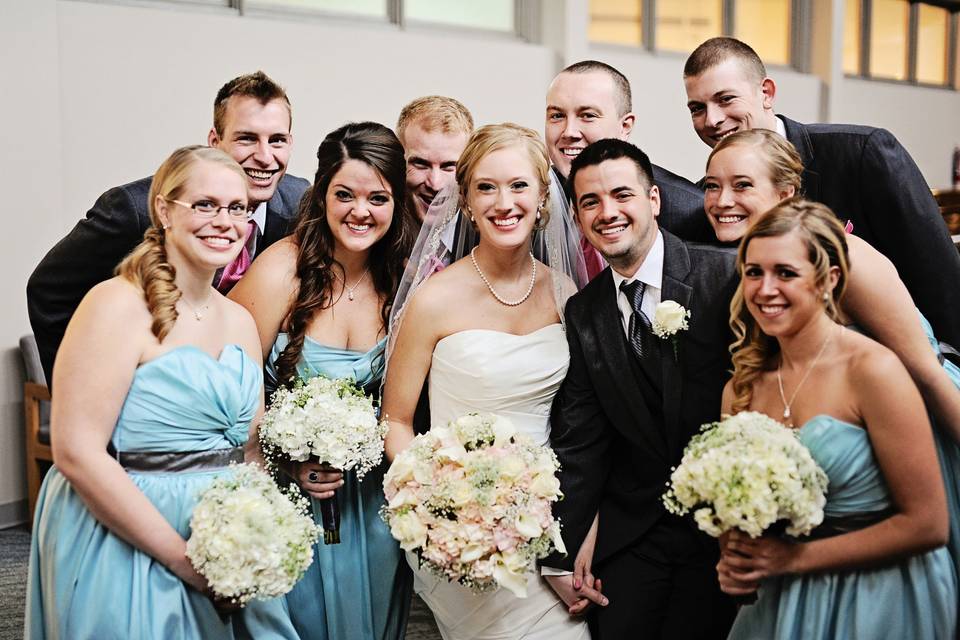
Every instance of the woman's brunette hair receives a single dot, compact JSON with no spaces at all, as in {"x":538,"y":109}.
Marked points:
{"x":376,"y":146}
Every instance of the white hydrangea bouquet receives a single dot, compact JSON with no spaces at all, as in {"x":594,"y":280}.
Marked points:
{"x":748,"y":472}
{"x":331,"y":421}
{"x":249,"y":539}
{"x":474,"y":499}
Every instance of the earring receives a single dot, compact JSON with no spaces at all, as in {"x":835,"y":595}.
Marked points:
{"x":540,"y":209}
{"x":826,"y":296}
{"x":165,"y":227}
{"x":466,"y":210}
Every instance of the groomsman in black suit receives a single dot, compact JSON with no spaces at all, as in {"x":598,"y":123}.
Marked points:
{"x":251,"y":122}
{"x":863,"y":173}
{"x":591,"y":100}
{"x":631,"y":401}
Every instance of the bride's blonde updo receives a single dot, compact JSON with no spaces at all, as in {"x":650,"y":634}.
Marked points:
{"x":146,"y":266}
{"x":754,"y":351}
{"x":493,"y":137}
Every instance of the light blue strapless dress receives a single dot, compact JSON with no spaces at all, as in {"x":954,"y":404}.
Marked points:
{"x":914,"y":598}
{"x":85,"y":582}
{"x":359,"y":589}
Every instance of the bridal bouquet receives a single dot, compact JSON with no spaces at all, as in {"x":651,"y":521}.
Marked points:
{"x":331,"y":421}
{"x":248,"y":539}
{"x":748,"y":472}
{"x":474,"y":500}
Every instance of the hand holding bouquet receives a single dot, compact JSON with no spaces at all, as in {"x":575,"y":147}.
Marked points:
{"x":748,"y":472}
{"x":474,"y":499}
{"x":248,"y":539}
{"x":332,"y":421}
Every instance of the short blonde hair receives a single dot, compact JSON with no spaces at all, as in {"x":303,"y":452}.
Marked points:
{"x":435,"y":112}
{"x":493,"y":137}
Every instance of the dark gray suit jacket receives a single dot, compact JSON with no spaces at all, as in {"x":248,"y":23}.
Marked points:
{"x":95,"y":246}
{"x":866,"y":176}
{"x":617,"y":439}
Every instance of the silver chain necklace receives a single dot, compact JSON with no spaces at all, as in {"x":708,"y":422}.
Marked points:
{"x":197,"y":311}
{"x":509,"y":303}
{"x":783,"y":397}
{"x":355,"y":284}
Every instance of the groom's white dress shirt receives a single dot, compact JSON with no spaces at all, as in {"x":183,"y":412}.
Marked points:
{"x":650,"y":274}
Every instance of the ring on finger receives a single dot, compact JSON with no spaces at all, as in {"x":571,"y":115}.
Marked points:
{"x":312,"y":476}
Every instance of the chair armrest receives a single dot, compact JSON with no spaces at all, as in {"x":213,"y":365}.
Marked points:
{"x":36,"y":392}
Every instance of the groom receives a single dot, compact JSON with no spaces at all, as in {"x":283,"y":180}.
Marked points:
{"x":632,"y":400}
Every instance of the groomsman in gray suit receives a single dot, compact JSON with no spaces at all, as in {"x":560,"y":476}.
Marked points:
{"x":251,"y":122}
{"x":863,"y":173}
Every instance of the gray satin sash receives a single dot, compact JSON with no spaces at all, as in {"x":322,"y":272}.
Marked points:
{"x":175,"y":461}
{"x":845,"y":524}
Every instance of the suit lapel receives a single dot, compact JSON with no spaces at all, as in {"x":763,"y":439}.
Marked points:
{"x":676,"y":267}
{"x":800,"y":139}
{"x":610,"y":342}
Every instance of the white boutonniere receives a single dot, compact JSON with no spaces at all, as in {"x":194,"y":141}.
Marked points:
{"x":670,"y":318}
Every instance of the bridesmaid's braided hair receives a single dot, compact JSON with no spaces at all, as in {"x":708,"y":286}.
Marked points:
{"x":374,"y":145}
{"x":147,"y":266}
{"x":754,"y":351}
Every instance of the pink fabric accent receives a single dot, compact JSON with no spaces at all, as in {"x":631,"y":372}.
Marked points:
{"x":592,"y":258}
{"x":235,"y":270}
{"x":848,"y":228}
{"x":434,"y":265}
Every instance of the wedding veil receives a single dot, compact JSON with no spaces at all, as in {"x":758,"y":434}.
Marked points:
{"x":447,"y":235}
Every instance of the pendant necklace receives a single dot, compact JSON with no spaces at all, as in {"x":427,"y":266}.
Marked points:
{"x":509,"y":303}
{"x":197,"y":311}
{"x":783,"y":397}
{"x":348,"y":287}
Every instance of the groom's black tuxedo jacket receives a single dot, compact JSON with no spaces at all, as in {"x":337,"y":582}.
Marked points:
{"x":616,"y":435}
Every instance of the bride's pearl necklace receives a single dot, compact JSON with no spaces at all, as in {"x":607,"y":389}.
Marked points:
{"x":509,"y":303}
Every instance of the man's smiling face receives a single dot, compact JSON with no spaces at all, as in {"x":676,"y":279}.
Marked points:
{"x":258,"y":137}
{"x":581,"y":108}
{"x":727,"y":98}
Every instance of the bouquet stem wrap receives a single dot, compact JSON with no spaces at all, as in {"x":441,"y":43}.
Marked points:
{"x":330,"y":516}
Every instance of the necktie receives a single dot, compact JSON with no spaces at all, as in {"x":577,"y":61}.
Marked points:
{"x":592,"y":258}
{"x":639,"y":330}
{"x":235,"y":270}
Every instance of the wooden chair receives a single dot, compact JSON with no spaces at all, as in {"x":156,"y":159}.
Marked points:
{"x":949,"y":203}
{"x":36,"y":411}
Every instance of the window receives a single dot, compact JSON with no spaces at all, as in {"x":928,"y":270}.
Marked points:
{"x":496,"y":15}
{"x":765,"y":25}
{"x":681,"y":25}
{"x":616,"y":22}
{"x":933,"y":41}
{"x":367,"y":8}
{"x":900,"y":40}
{"x":684,"y":24}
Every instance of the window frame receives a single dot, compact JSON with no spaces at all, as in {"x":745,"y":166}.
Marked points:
{"x":798,"y":49}
{"x":952,"y":82}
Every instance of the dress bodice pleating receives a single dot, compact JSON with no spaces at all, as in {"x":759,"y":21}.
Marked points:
{"x":186,"y":400}
{"x":514,"y":376}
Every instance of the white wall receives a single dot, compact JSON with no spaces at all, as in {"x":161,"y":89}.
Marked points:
{"x":103,"y":92}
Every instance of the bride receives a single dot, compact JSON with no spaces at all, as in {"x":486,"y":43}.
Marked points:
{"x":487,"y":329}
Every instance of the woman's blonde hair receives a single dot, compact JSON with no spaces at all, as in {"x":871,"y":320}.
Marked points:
{"x":147,"y":266}
{"x":781,"y":157}
{"x":493,"y":137}
{"x":753,"y":351}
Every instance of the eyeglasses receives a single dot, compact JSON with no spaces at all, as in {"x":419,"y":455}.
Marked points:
{"x":207,"y":209}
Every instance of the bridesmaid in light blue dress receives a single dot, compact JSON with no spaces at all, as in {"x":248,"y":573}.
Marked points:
{"x":320,"y":299}
{"x":156,"y":384}
{"x":876,"y":567}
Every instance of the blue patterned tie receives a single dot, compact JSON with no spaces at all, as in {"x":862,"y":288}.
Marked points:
{"x":639,"y":329}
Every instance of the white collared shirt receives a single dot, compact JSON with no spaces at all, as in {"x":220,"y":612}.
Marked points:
{"x":260,"y":217}
{"x":651,"y":274}
{"x":781,"y":128}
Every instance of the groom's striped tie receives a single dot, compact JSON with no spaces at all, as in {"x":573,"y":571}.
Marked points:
{"x":639,"y":328}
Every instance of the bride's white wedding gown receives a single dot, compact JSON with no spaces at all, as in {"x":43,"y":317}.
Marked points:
{"x":514,"y":376}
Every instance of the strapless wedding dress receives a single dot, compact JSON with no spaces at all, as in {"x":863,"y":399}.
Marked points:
{"x":514,"y":376}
